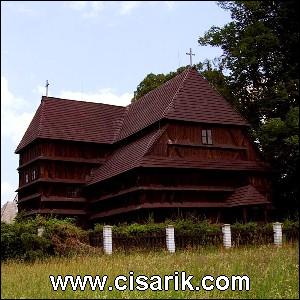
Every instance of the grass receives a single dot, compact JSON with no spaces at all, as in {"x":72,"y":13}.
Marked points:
{"x":274,"y":273}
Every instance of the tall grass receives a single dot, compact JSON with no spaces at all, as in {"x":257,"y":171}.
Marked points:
{"x":274,"y":273}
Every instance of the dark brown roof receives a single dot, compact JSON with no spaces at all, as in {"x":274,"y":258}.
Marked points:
{"x":246,"y":195}
{"x":74,"y":120}
{"x":235,"y":165}
{"x":187,"y":96}
{"x":134,"y":155}
{"x":126,"y":158}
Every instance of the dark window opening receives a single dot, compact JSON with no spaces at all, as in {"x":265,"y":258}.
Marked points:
{"x":33,"y":175}
{"x":26,"y":178}
{"x":206,"y":137}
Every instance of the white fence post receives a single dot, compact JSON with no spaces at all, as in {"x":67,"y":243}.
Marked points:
{"x":277,"y":228}
{"x":107,"y":239}
{"x":226,"y":235}
{"x":170,"y":239}
{"x":40,"y":231}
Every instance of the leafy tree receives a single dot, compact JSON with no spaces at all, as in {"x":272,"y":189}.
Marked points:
{"x":211,"y":70}
{"x":280,"y":141}
{"x":260,"y":55}
{"x":152,"y":81}
{"x":260,"y":52}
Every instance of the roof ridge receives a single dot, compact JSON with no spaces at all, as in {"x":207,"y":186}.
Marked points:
{"x":122,"y":119}
{"x":226,"y":101}
{"x":141,"y":146}
{"x":161,"y":86}
{"x":92,"y":102}
{"x":153,"y":139}
{"x":41,"y":119}
{"x":134,"y":105}
{"x":177,"y":91}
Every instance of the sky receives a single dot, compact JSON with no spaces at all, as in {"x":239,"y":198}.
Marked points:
{"x":96,"y":51}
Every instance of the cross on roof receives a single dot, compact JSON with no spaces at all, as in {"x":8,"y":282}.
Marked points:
{"x":47,"y":84}
{"x":190,"y":54}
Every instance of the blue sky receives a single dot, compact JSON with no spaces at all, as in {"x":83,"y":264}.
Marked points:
{"x":89,"y":50}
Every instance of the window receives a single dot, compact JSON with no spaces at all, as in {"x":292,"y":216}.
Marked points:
{"x":33,"y":175}
{"x":26,"y":178}
{"x":72,"y":192}
{"x":206,"y":137}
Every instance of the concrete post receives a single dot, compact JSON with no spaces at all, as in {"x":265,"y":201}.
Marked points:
{"x":277,"y":228}
{"x":170,"y":238}
{"x":40,"y":231}
{"x":107,"y":239}
{"x":226,"y":235}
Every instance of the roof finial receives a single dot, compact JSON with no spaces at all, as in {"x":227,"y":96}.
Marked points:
{"x":190,"y":54}
{"x":47,"y":84}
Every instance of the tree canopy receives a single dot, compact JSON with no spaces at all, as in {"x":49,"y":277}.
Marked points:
{"x":260,"y":51}
{"x":210,"y":70}
{"x":260,"y":55}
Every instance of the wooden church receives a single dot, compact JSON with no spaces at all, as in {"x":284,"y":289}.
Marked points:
{"x":180,"y":150}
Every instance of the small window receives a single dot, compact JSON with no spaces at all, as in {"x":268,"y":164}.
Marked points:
{"x":206,"y":137}
{"x":72,"y":192}
{"x":26,"y":178}
{"x":33,"y":175}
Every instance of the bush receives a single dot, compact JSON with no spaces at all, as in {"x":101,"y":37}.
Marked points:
{"x":19,"y":240}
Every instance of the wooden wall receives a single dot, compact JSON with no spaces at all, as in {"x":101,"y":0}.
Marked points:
{"x":184,"y":140}
{"x":68,"y":149}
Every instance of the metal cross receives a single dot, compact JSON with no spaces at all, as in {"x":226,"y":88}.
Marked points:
{"x":190,"y":54}
{"x":47,"y":84}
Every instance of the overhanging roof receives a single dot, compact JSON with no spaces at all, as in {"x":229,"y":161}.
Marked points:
{"x":73,"y":120}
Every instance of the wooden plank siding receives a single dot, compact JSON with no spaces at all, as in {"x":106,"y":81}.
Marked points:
{"x":67,"y":149}
{"x":183,"y":139}
{"x":51,"y":174}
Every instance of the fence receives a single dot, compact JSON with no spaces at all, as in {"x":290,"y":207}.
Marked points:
{"x":170,"y":240}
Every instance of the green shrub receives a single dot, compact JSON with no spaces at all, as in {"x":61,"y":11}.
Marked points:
{"x":19,"y":240}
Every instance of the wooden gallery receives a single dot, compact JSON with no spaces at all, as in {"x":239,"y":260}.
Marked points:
{"x":180,"y":150}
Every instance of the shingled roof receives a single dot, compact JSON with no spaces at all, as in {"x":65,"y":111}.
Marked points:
{"x":126,"y":158}
{"x":246,"y":195}
{"x":73,"y":120}
{"x":175,"y":162}
{"x":188,"y":96}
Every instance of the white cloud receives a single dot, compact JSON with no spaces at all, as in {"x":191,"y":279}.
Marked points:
{"x":14,"y":118}
{"x":25,"y":9}
{"x":76,"y":5}
{"x":106,"y":96}
{"x":40,"y":90}
{"x":89,"y":9}
{"x":7,"y":192}
{"x":170,"y":4}
{"x":128,"y":6}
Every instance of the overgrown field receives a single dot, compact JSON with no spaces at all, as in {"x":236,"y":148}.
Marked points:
{"x":274,"y":272}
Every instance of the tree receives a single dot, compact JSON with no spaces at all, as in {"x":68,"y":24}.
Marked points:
{"x":211,"y":70}
{"x":260,"y":55}
{"x":260,"y":52}
{"x":152,"y":81}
